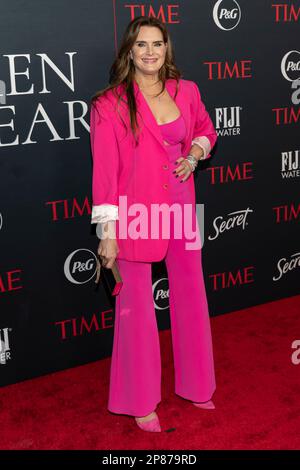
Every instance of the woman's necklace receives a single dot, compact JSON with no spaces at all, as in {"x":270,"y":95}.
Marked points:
{"x":157,"y":98}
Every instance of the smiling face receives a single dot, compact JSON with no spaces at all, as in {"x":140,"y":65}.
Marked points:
{"x":149,"y":51}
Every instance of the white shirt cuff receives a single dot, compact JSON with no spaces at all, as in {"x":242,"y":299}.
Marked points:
{"x":204,"y":143}
{"x":104,"y":213}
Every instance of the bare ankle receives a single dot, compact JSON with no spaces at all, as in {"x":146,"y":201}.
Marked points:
{"x":147,"y":417}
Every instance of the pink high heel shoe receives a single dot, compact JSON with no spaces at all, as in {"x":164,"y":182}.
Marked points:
{"x":207,"y":405}
{"x":152,"y":425}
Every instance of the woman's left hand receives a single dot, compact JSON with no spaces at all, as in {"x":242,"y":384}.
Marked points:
{"x":184,"y":168}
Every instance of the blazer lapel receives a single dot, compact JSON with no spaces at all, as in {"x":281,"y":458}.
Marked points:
{"x":148,"y":117}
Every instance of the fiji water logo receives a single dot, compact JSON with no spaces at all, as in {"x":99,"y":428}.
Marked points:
{"x":5,"y":352}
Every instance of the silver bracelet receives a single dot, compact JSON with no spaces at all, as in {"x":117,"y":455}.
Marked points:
{"x":192,"y":160}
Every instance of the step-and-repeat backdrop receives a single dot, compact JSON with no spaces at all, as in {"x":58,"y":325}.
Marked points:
{"x":245,"y":58}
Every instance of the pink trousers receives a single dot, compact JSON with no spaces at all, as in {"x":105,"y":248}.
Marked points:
{"x":135,"y":373}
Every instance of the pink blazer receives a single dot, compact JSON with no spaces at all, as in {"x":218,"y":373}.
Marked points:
{"x":141,"y":173}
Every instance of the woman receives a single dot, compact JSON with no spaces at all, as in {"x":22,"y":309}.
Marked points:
{"x":149,"y":129}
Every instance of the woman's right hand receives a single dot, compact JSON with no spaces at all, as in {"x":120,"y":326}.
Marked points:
{"x":108,"y":248}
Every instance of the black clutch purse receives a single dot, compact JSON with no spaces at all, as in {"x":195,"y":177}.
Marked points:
{"x":112,"y":277}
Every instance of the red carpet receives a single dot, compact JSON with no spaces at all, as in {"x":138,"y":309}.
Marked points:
{"x":257,"y":397}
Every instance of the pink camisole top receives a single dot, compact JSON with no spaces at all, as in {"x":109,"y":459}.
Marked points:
{"x":174,"y":132}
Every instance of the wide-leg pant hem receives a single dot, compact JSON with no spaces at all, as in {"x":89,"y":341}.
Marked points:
{"x":132,"y":412}
{"x":198,"y":399}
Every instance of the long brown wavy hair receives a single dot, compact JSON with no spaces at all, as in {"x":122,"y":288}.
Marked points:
{"x":122,"y":70}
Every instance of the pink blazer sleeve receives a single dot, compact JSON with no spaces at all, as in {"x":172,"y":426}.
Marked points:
{"x":204,"y":133}
{"x":105,"y":153}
